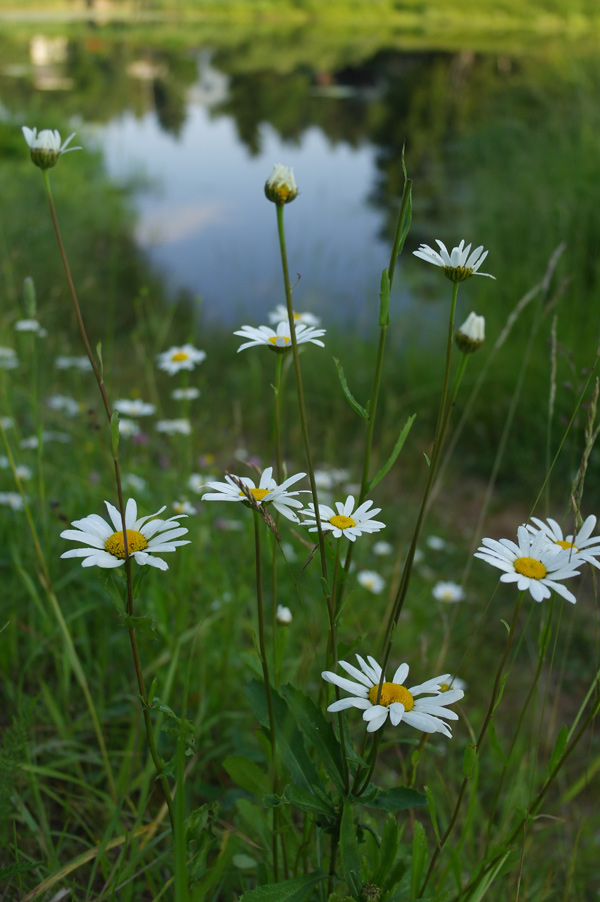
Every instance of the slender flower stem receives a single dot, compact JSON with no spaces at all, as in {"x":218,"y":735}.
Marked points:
{"x":480,"y":738}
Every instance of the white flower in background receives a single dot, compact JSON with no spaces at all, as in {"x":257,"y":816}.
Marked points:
{"x":185,"y":394}
{"x":146,"y":537}
{"x":436,"y":543}
{"x":30,"y":325}
{"x":344,"y":521}
{"x":45,"y":147}
{"x":183,"y":507}
{"x":4,"y":462}
{"x":281,"y":186}
{"x":32,"y":441}
{"x":583,"y":546}
{"x":327,"y":479}
{"x":135,"y":408}
{"x":283,"y":615}
{"x":181,"y":426}
{"x":197,"y":482}
{"x":266,"y":492}
{"x":12,"y":500}
{"x":279,"y":339}
{"x":458,"y":265}
{"x":381,"y":548}
{"x":448,"y":592}
{"x":134,"y":482}
{"x":225,"y":525}
{"x":396,"y":701}
{"x":65,"y":362}
{"x":128,"y":428}
{"x":471,"y":335}
{"x":533,"y":564}
{"x":63,"y":404}
{"x":453,"y":683}
{"x":280,"y":315}
{"x":7,"y":422}
{"x":23,"y":472}
{"x":371,"y":580}
{"x":184,"y":357}
{"x":8,"y":358}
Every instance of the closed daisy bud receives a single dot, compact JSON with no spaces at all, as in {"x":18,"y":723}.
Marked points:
{"x":471,"y":335}
{"x":281,"y":186}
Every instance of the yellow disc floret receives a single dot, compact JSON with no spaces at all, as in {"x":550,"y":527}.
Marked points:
{"x":531,"y":568}
{"x":342,"y":522}
{"x":179,"y":356}
{"x":116,"y":546}
{"x":566,"y":545}
{"x":390,"y":693}
{"x":275,"y":338}
{"x":257,"y":494}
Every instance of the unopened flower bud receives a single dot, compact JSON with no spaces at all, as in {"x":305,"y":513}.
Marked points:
{"x":283,"y":615}
{"x":281,"y":186}
{"x":370,"y":893}
{"x":45,"y":148}
{"x":471,"y":335}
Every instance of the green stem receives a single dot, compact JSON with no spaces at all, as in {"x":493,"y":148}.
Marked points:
{"x":277,"y":391}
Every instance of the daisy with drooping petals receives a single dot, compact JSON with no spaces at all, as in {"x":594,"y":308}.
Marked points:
{"x":45,"y":147}
{"x":279,"y":339}
{"x":583,"y":544}
{"x":344,"y":521}
{"x":180,"y":358}
{"x":395,"y":701}
{"x":146,"y":537}
{"x":280,"y":314}
{"x":459,"y":265}
{"x":533,"y":564}
{"x":266,"y":492}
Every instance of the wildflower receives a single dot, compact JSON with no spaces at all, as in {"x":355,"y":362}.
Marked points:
{"x":135,"y":408}
{"x":283,"y":615}
{"x":281,"y":186}
{"x":280,"y":314}
{"x":396,"y":701}
{"x":63,"y":404}
{"x":347,"y":521}
{"x":381,"y":549}
{"x":183,"y":507}
{"x":185,"y":394}
{"x":12,"y":500}
{"x":8,"y":358}
{"x":371,"y":580}
{"x":533,"y":563}
{"x":197,"y":482}
{"x":30,"y":325}
{"x":224,"y":525}
{"x":582,"y":544}
{"x":448,"y":592}
{"x":453,"y":683}
{"x":471,"y":335}
{"x":267,"y":492}
{"x":181,"y":426}
{"x":128,"y":428}
{"x":184,"y":357}
{"x":279,"y":340}
{"x":45,"y":148}
{"x":435,"y":542}
{"x":23,"y":472}
{"x":7,"y":422}
{"x":133,"y":481}
{"x":460,"y":264}
{"x":106,"y":545}
{"x":32,"y":441}
{"x":65,"y":362}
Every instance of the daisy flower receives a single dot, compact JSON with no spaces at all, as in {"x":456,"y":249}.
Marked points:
{"x":280,"y":315}
{"x":197,"y":482}
{"x":185,"y":394}
{"x":281,"y":185}
{"x":45,"y":147}
{"x":183,"y":507}
{"x":279,"y":339}
{"x":134,"y":408}
{"x":180,"y":426}
{"x":283,"y":615}
{"x":583,"y":544}
{"x":184,"y":357}
{"x":435,"y":542}
{"x":459,"y":265}
{"x":12,"y":500}
{"x":533,"y":564}
{"x":396,"y":701}
{"x":30,"y":325}
{"x":105,"y":542}
{"x":65,"y":362}
{"x":344,"y":521}
{"x":448,"y":592}
{"x":8,"y":358}
{"x":371,"y":580}
{"x":133,"y":481}
{"x":63,"y":404}
{"x":266,"y":492}
{"x":453,"y":683}
{"x":381,"y":548}
{"x":127,"y":427}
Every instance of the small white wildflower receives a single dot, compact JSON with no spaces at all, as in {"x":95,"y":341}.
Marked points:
{"x":371,"y":580}
{"x":134,"y":408}
{"x":182,"y":357}
{"x":63,"y":404}
{"x":8,"y":358}
{"x":280,"y":314}
{"x":448,"y":592}
{"x":12,"y":500}
{"x":381,"y":548}
{"x":183,"y":507}
{"x":180,"y":426}
{"x":280,"y":187}
{"x":435,"y":543}
{"x":283,"y":615}
{"x":185,"y":394}
{"x":45,"y":147}
{"x":128,"y":428}
{"x":344,"y":521}
{"x":458,"y":265}
{"x":65,"y":362}
{"x":30,"y":325}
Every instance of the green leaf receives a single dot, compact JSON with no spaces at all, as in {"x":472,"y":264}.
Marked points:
{"x":484,"y":882}
{"x":298,"y":889}
{"x":318,"y":731}
{"x":174,"y":725}
{"x":559,"y":747}
{"x":20,"y":868}
{"x":399,"y":798}
{"x":308,"y":801}
{"x":289,"y":741}
{"x":495,"y":742}
{"x":470,"y":759}
{"x":360,"y":410}
{"x":432,"y":812}
{"x":418,"y":858}
{"x":397,"y":449}
{"x":387,"y":850}
{"x":213,"y":875}
{"x":500,"y":692}
{"x":427,"y":459}
{"x":248,"y":775}
{"x":384,"y":300}
{"x":144,"y":624}
{"x":349,"y":854}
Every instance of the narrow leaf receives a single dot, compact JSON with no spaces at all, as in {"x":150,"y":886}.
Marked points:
{"x":495,"y":742}
{"x":349,"y":850}
{"x":307,"y":801}
{"x":432,"y":812}
{"x":318,"y":731}
{"x":559,"y":747}
{"x":470,"y":759}
{"x":248,"y":775}
{"x":360,"y":410}
{"x":397,"y":449}
{"x":418,"y":858}
{"x":298,"y":889}
{"x":387,"y":850}
{"x":399,"y":798}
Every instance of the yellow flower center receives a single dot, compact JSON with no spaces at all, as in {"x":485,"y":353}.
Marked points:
{"x":529,"y":567}
{"x":392,"y":692}
{"x":342,"y":522}
{"x":258,"y":494}
{"x":296,"y":316}
{"x":566,"y":545}
{"x":275,"y":338}
{"x":444,"y":687}
{"x":116,"y":546}
{"x":178,"y":356}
